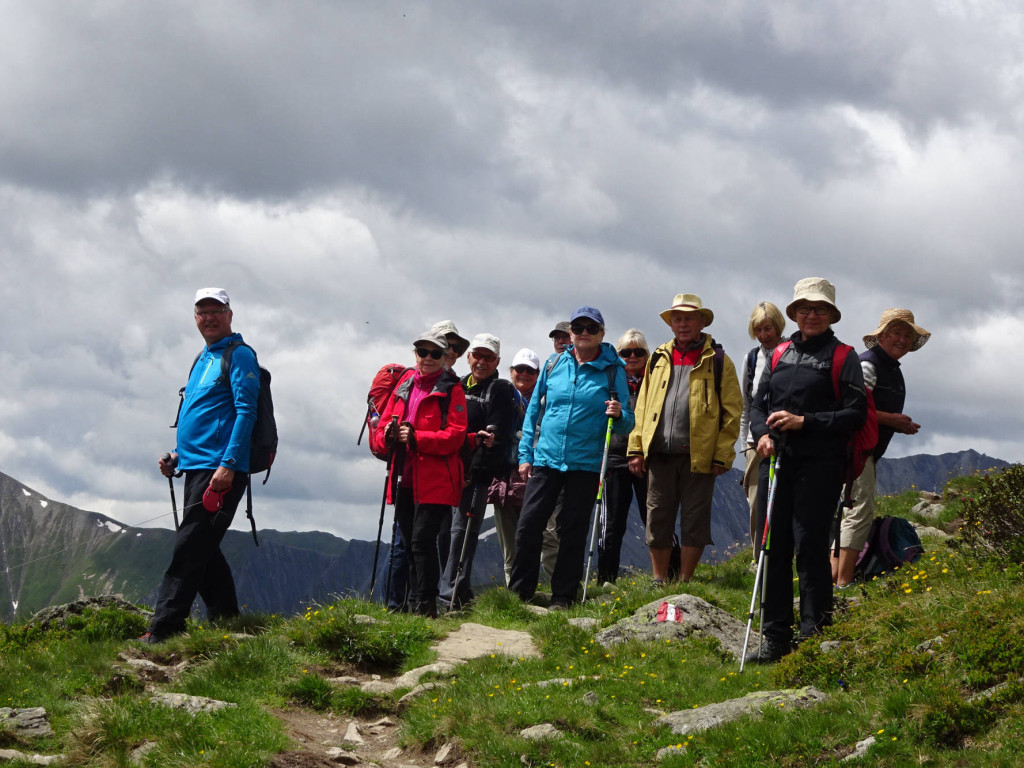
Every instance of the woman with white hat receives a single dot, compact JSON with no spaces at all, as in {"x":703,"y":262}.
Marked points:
{"x":805,"y":415}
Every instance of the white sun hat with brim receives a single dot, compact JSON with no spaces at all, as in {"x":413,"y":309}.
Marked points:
{"x":814,"y":289}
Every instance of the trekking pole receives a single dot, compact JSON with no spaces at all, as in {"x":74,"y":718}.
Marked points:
{"x":470,"y":514}
{"x":599,"y":500}
{"x":383,"y":505}
{"x":170,"y":482}
{"x":762,"y":559}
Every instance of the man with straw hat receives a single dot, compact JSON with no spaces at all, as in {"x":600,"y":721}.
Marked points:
{"x":897,"y":334}
{"x":687,"y":421}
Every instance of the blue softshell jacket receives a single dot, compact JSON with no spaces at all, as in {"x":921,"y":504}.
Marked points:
{"x":215,"y":425}
{"x":572,"y":431}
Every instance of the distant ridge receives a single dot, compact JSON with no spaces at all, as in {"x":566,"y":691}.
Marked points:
{"x":52,"y":553}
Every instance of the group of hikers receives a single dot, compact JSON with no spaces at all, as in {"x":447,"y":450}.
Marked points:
{"x":592,"y":421}
{"x":655,"y":426}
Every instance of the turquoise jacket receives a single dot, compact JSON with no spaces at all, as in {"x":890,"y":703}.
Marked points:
{"x":571,"y":432}
{"x":216,"y":419}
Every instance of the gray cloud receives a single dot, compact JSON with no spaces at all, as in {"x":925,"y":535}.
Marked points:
{"x":352,"y":174}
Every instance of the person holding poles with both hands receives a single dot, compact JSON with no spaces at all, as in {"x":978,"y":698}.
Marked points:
{"x":577,"y":392}
{"x":426,"y":416}
{"x":491,"y":419}
{"x":796,"y":415}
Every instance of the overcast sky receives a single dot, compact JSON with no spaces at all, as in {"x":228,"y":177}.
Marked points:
{"x":353,"y":172}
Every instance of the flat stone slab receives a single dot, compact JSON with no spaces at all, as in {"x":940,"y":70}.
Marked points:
{"x":698,"y":616}
{"x":28,"y":722}
{"x":10,"y":755}
{"x":190,"y":703}
{"x":471,"y":641}
{"x":688,"y":721}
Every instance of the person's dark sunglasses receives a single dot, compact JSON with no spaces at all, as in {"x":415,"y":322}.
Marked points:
{"x":578,"y":328}
{"x":525,"y":369}
{"x":632,"y":352}
{"x":437,"y":354}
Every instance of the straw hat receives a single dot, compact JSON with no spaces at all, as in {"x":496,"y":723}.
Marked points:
{"x":813,"y":289}
{"x":891,"y":316}
{"x":688,"y":302}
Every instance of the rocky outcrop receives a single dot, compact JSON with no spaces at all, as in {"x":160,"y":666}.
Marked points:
{"x":689,"y":721}
{"x":698,"y":616}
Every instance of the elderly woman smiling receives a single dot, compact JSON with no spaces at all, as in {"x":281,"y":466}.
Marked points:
{"x":799,"y":415}
{"x":561,"y":451}
{"x":426,"y":420}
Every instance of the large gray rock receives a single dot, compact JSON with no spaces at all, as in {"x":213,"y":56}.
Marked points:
{"x":191,"y":704}
{"x":56,"y":615}
{"x":28,"y":722}
{"x":700,"y":719}
{"x":699,"y":617}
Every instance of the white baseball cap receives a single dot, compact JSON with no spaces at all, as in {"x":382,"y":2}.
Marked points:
{"x":526,"y":357}
{"x":217,"y":294}
{"x":486,"y":341}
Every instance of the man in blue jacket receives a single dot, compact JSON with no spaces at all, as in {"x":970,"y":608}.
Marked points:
{"x":562,"y":448}
{"x":214,"y":429}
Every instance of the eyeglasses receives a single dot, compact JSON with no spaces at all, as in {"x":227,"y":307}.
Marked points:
{"x":212,"y":312}
{"x":437,"y":354}
{"x":525,"y":369}
{"x":487,"y":357}
{"x":819,"y":311}
{"x":592,"y":328}
{"x":632,"y":352}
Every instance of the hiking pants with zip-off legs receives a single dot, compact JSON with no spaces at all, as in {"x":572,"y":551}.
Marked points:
{"x":198,"y":567}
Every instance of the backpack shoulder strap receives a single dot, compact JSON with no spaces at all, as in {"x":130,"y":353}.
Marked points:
{"x":751,"y":365}
{"x":778,"y":352}
{"x":838,"y":359}
{"x":181,"y":392}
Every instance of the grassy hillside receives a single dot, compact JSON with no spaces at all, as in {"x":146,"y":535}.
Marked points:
{"x":919,"y":657}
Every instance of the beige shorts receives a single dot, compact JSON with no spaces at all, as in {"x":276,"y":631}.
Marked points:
{"x":856,"y":526}
{"x":673,"y":490}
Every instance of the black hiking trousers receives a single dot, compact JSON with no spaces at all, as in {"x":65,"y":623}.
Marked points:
{"x":198,"y":567}
{"x":543,"y":490}
{"x":806,"y":496}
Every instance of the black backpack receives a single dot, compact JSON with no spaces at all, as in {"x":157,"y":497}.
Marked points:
{"x":263,"y":441}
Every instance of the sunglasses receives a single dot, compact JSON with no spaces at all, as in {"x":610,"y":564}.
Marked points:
{"x":632,"y":352}
{"x":592,"y":328}
{"x":437,"y":354}
{"x":525,"y":369}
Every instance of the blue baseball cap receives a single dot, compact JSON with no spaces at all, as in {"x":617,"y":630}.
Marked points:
{"x":591,"y":313}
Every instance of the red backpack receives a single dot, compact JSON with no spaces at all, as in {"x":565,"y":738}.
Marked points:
{"x":864,"y":440}
{"x":383,"y":384}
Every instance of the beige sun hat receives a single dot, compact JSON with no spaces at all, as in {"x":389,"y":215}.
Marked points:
{"x":813,"y":289}
{"x":894,"y":315}
{"x":457,"y":342}
{"x":688,"y":302}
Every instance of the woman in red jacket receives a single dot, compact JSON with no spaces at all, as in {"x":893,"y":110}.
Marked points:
{"x":425,"y":420}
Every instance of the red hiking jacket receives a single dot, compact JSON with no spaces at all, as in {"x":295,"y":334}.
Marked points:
{"x":439,"y":431}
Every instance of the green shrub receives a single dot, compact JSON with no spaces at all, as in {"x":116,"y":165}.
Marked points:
{"x":993,"y":517}
{"x":371,"y":644}
{"x":947,"y":719}
{"x":312,"y":691}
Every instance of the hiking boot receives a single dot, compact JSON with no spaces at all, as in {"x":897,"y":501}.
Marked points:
{"x":150,"y":639}
{"x":558,"y":605}
{"x":427,"y":608}
{"x":769,"y":652}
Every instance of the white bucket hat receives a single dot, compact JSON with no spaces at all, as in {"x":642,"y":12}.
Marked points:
{"x":813,"y":289}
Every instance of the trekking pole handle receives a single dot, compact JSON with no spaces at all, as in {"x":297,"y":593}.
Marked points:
{"x":173,"y":461}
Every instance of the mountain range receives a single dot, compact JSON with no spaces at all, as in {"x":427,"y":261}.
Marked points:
{"x":52,"y":553}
